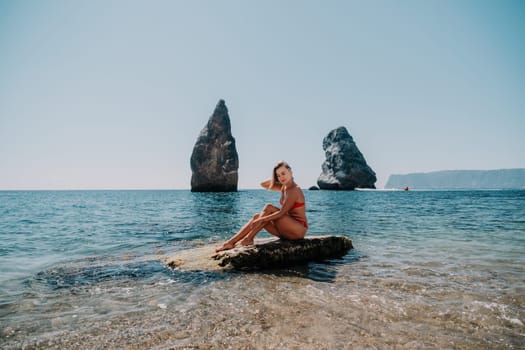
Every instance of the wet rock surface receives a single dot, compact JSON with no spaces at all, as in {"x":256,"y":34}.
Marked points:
{"x":265,"y":253}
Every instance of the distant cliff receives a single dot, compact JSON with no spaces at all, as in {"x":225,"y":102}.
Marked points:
{"x":456,"y":179}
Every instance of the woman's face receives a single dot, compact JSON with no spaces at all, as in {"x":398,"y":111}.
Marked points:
{"x":284,"y":174}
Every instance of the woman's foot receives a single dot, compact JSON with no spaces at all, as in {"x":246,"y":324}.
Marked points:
{"x":244,"y":242}
{"x":225,"y":246}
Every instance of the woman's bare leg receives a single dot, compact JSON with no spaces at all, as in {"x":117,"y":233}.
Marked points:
{"x":284,"y":227}
{"x":269,"y":227}
{"x":247,"y":228}
{"x":248,"y":238}
{"x":229,"y":244}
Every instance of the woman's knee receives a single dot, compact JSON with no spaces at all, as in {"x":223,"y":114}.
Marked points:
{"x":269,"y":208}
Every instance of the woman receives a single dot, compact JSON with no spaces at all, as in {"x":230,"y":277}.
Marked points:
{"x":289,"y":222}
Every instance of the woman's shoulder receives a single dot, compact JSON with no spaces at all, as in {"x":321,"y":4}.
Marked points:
{"x":294,"y":189}
{"x":300,"y":191}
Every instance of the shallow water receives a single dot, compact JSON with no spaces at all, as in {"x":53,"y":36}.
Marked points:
{"x":430,"y":270}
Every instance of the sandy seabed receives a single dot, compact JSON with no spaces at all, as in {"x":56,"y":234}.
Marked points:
{"x":344,"y":306}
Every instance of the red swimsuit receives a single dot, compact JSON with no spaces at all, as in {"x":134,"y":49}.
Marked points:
{"x":296,"y":205}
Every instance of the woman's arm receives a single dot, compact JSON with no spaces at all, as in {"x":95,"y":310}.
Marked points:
{"x":266,"y":184}
{"x":291,"y":198}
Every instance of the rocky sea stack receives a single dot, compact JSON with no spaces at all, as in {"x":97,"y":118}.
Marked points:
{"x":345,"y":167}
{"x":214,"y":161}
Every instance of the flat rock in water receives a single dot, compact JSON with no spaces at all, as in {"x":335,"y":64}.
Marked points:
{"x":265,"y":253}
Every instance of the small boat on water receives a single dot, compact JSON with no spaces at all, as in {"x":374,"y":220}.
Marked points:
{"x":405,"y":188}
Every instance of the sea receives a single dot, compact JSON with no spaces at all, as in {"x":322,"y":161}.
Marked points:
{"x":429,"y":270}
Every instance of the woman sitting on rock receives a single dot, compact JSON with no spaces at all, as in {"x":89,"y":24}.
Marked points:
{"x":289,"y":222}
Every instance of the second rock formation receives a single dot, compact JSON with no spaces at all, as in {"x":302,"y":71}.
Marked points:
{"x":345,"y":167}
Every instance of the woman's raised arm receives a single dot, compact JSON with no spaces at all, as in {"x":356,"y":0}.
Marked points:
{"x":266,"y":184}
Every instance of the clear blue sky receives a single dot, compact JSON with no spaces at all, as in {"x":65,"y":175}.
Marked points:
{"x":113,"y":94}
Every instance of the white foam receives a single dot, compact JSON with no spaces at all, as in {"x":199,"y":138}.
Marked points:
{"x":515,"y":321}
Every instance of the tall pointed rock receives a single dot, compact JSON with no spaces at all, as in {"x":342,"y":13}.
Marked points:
{"x":345,"y":167}
{"x":214,"y":160}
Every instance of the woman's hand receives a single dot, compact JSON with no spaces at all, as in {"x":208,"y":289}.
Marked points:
{"x":266,"y":184}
